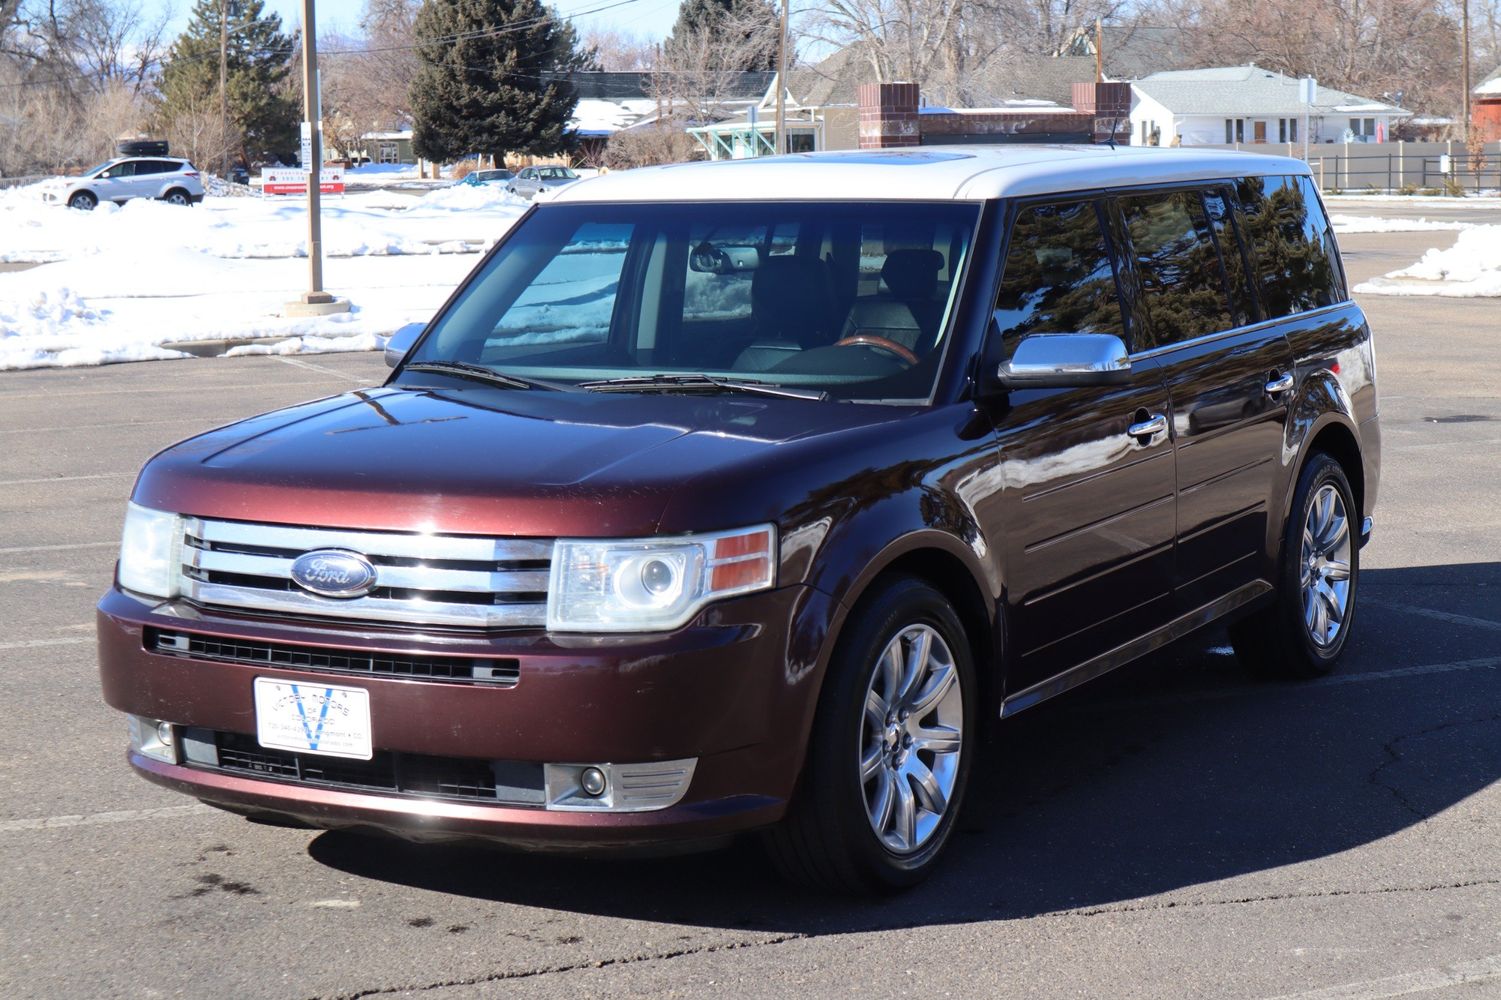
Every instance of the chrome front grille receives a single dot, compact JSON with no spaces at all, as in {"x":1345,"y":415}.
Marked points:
{"x":420,"y":579}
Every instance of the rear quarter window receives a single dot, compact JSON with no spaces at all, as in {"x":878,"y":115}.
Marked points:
{"x":1292,"y":244}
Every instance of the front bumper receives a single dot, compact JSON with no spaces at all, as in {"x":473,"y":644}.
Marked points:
{"x":720,"y":691}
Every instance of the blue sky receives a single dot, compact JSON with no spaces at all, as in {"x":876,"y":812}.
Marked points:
{"x":652,"y":18}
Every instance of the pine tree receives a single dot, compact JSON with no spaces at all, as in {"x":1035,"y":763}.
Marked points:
{"x":262,"y":110}
{"x":489,"y":79}
{"x":743,"y":34}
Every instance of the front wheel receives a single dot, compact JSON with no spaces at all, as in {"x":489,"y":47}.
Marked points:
{"x":84,"y":201}
{"x":1304,"y":632}
{"x":891,"y":748}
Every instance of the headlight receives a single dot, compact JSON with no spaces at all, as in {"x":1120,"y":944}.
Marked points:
{"x":654,"y":584}
{"x":150,"y":552}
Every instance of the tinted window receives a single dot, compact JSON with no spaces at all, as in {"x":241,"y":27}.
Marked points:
{"x":1058,"y":276}
{"x":1178,"y":265}
{"x":1290,"y":241}
{"x":1242,"y":302}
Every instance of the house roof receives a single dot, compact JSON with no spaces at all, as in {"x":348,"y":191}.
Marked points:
{"x":961,"y":173}
{"x":831,"y":82}
{"x":835,"y":80}
{"x":1248,"y":90}
{"x":1491,"y":85}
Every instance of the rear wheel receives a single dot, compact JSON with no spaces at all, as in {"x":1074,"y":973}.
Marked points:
{"x":177,"y":196}
{"x":1305,"y":631}
{"x":891,"y":748}
{"x":84,"y":201}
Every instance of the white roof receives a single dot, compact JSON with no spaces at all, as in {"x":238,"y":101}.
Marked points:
{"x":927,"y":173}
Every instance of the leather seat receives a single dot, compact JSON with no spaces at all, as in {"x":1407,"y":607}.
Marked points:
{"x":792,"y":310}
{"x":907,"y":311}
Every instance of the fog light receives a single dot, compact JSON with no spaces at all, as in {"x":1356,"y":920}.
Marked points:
{"x":151,"y":738}
{"x":592,"y":781}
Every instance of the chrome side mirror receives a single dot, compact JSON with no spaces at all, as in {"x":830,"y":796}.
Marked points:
{"x":1065,"y":360}
{"x":401,"y":341}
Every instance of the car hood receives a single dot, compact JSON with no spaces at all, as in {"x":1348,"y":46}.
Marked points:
{"x":488,"y":461}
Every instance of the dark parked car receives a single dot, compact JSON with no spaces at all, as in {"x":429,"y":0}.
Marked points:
{"x":700,"y":509}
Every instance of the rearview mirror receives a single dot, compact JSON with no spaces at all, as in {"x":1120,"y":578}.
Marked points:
{"x":1065,"y":360}
{"x":401,"y":341}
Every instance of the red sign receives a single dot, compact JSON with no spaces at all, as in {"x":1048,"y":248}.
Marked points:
{"x":294,"y":181}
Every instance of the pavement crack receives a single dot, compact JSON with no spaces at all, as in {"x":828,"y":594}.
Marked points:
{"x":1174,"y":904}
{"x":1393,"y":757}
{"x":601,"y":963}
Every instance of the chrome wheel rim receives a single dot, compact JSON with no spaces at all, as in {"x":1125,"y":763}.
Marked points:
{"x":911,"y":738}
{"x":1325,"y":569}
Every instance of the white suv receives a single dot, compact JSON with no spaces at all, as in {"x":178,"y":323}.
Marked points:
{"x":167,"y":178}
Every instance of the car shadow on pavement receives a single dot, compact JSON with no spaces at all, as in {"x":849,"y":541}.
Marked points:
{"x":1174,"y":773}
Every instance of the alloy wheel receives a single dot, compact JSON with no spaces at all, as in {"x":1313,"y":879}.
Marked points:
{"x":1325,"y":567}
{"x":911,"y":736}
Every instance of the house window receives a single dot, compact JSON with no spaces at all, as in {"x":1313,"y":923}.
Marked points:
{"x":1292,"y":130}
{"x":1235,"y":130}
{"x":1370,"y":127}
{"x":1229,"y":131}
{"x":387,"y":153}
{"x":1281,"y":129}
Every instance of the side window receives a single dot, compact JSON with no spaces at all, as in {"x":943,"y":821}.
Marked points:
{"x":144,"y":167}
{"x":1178,"y":264}
{"x":572,"y":300}
{"x":1058,"y":276}
{"x":119,"y":170}
{"x":1242,"y":302}
{"x":1291,"y":245}
{"x":1319,"y":228}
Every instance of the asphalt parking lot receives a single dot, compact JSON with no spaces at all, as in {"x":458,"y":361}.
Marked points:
{"x":1179,"y":830}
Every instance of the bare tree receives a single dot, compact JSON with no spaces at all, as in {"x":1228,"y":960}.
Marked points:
{"x":699,"y":76}
{"x":621,"y":51}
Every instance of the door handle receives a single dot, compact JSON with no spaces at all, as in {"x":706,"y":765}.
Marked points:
{"x":1155,"y":424}
{"x":1279,"y":384}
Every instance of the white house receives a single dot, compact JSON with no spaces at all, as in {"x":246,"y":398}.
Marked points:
{"x":1248,"y":104}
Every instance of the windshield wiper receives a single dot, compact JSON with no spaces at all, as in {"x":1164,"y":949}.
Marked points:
{"x":478,"y":373}
{"x":698,"y":382}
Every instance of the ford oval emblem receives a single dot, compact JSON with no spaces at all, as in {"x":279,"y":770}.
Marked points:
{"x":332,"y":573}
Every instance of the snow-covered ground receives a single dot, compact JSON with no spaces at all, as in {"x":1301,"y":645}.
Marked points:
{"x":1471,"y":268}
{"x":1369,"y":224}
{"x":127,"y":283}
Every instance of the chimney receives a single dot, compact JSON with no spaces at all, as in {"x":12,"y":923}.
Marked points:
{"x":888,"y":115}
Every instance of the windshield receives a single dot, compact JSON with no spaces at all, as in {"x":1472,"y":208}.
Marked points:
{"x":556,"y":174}
{"x":94,"y":170}
{"x":852,"y":299}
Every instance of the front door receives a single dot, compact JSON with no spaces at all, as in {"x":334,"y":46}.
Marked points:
{"x":1259,"y":131}
{"x":1085,"y":513}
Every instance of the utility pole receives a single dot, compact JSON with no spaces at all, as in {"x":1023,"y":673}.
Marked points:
{"x":315,"y":301}
{"x":1099,"y":52}
{"x":1464,"y":58}
{"x":782,"y":84}
{"x":223,"y":87}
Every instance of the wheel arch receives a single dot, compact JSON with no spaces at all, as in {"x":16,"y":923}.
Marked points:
{"x":951,"y":568}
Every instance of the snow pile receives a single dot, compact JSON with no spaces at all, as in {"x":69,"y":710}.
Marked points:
{"x":1471,"y":268}
{"x":127,"y":283}
{"x":1366,"y":224}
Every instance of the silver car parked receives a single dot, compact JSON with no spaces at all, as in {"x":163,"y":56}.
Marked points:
{"x":166,"y":178}
{"x":534,"y":179}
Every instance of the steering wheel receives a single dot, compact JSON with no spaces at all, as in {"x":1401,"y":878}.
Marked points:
{"x":891,"y":347}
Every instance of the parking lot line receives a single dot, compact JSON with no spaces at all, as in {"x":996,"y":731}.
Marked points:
{"x":1441,"y":616}
{"x":14,"y":549}
{"x":36,"y":643}
{"x":1481,"y":970}
{"x":100,"y":819}
{"x":66,"y":479}
{"x":297,"y":363}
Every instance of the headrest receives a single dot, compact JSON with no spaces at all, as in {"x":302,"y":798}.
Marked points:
{"x":912,"y":274}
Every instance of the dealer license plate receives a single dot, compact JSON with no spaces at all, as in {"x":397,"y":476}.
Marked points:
{"x":312,"y":718}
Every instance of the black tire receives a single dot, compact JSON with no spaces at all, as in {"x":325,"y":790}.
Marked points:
{"x":1276,"y":641}
{"x":827,"y":839}
{"x":177,"y":196}
{"x":84,"y":201}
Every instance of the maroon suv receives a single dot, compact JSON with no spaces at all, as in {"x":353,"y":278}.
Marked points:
{"x":740,"y":496}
